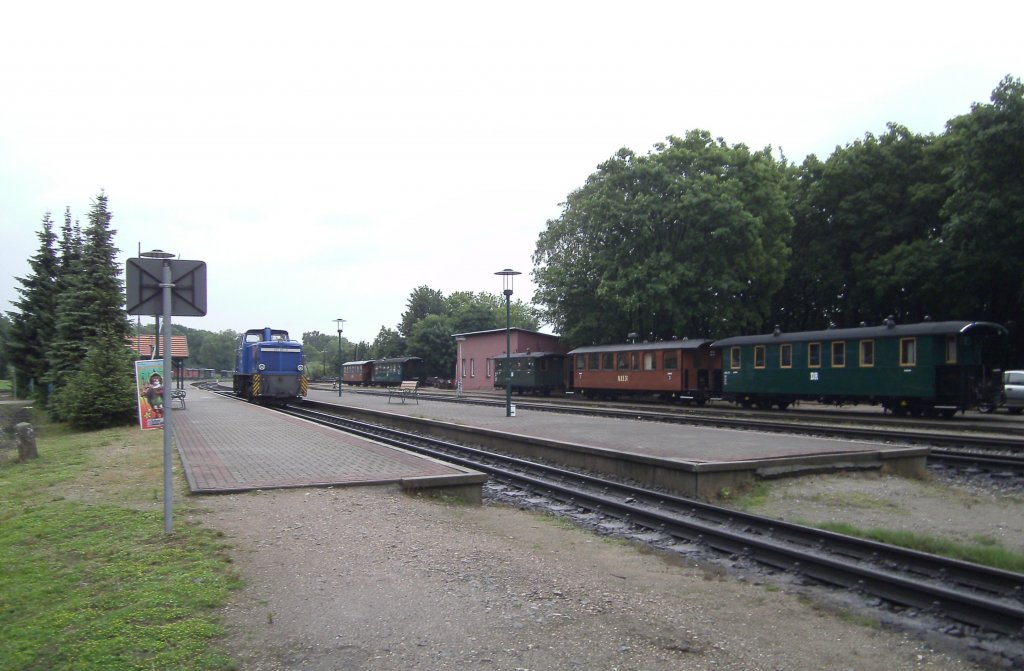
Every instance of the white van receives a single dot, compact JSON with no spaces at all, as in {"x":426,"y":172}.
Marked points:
{"x":1013,"y":391}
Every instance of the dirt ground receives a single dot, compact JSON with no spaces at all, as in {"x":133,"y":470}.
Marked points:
{"x":370,"y":578}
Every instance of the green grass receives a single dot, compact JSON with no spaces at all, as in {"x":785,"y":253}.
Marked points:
{"x":88,"y":578}
{"x":982,"y":550}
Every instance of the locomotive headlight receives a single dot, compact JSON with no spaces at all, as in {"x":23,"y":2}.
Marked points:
{"x":301,"y":367}
{"x":262,"y":366}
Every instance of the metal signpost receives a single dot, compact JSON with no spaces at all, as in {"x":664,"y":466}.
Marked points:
{"x":160,"y":284}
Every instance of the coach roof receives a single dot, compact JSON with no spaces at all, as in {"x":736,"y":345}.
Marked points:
{"x":889,"y":329}
{"x":685,"y":343}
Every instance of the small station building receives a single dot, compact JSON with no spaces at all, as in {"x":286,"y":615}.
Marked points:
{"x":147,"y":347}
{"x":476,"y":352}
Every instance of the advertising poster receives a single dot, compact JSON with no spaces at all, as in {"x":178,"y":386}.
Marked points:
{"x":149,"y":380}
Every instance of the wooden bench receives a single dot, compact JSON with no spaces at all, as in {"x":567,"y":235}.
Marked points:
{"x":179,"y":396}
{"x":405,"y":390}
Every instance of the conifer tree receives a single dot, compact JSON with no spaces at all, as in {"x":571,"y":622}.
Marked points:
{"x":32,"y":325}
{"x":90,"y":303}
{"x":101,"y":392}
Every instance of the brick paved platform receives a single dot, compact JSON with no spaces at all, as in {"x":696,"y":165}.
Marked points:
{"x":693,"y":460}
{"x":229,"y":446}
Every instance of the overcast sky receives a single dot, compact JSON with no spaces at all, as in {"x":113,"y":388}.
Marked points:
{"x":326,"y":158}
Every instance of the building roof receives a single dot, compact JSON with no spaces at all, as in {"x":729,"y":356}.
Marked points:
{"x":144,"y":345}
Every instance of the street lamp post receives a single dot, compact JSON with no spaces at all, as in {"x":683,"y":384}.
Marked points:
{"x":507,"y":276}
{"x":341,"y":327}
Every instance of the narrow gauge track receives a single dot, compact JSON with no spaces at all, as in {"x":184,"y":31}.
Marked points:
{"x":989,"y":599}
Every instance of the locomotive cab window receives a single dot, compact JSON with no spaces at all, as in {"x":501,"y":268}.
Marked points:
{"x":814,"y":355}
{"x":759,"y":356}
{"x":786,"y":356}
{"x":838,"y":354}
{"x":908,"y":351}
{"x":734,"y":358}
{"x":867,"y":353}
{"x":951,"y":349}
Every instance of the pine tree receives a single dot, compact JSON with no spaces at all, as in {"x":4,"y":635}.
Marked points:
{"x":101,"y":393}
{"x":91,"y":300}
{"x":32,"y":326}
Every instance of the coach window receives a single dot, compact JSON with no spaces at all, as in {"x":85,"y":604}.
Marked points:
{"x":581,"y":362}
{"x":648,"y":360}
{"x":867,"y":353}
{"x":950,"y":349}
{"x":670,"y":360}
{"x":608,"y":361}
{"x":734,"y":358}
{"x":838,"y":355}
{"x":594,"y":361}
{"x":908,"y":351}
{"x":759,"y":356}
{"x":786,"y":356}
{"x":814,"y":355}
{"x":622,"y":361}
{"x":634,"y":361}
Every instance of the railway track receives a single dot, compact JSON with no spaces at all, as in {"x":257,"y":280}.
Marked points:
{"x":986,"y":599}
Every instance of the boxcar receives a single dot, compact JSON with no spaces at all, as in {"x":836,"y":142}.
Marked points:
{"x":532,"y":372}
{"x":269,"y":367}
{"x":357,"y":373}
{"x":391,"y":372}
{"x":906,"y":368}
{"x":677,"y":370}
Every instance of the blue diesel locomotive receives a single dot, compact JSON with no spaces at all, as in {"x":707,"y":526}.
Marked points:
{"x":269,"y":367}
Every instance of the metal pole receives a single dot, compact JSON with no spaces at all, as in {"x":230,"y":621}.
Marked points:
{"x":508,"y":353}
{"x":166,"y":285}
{"x":341,"y":362}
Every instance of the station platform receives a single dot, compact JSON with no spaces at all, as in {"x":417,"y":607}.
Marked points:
{"x":229,"y":446}
{"x":691,"y":460}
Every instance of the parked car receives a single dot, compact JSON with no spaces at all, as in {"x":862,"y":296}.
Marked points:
{"x":1013,"y":391}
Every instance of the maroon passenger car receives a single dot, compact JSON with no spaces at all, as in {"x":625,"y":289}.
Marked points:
{"x":357,"y":372}
{"x":684,"y":370}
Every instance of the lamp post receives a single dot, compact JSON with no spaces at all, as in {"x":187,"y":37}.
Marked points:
{"x":341,"y":364}
{"x":507,"y":276}
{"x":166,"y":286}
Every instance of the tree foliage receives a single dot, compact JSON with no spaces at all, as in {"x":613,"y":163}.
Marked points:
{"x":691,"y":239}
{"x":32,"y":325}
{"x":101,"y":392}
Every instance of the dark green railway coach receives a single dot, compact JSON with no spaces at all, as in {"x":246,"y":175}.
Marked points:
{"x":906,"y":368}
{"x":532,"y":372}
{"x":392,"y":372}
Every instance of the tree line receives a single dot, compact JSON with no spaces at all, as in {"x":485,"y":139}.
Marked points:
{"x":702,"y":239}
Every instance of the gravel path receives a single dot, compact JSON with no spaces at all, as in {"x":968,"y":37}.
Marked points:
{"x":369,"y":578}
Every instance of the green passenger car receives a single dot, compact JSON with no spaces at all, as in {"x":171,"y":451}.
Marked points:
{"x":906,"y":368}
{"x":532,"y":372}
{"x":392,"y":372}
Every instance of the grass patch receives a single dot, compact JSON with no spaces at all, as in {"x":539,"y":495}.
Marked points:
{"x":90,"y":580}
{"x":982,"y":550}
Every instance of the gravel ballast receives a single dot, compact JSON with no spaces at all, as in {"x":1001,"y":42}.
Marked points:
{"x":370,"y":578}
